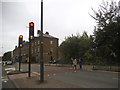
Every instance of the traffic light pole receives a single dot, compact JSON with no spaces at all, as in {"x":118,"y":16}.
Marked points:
{"x":19,"y":58}
{"x":31,"y":36}
{"x":20,"y":46}
{"x":29,"y":66}
{"x":41,"y":47}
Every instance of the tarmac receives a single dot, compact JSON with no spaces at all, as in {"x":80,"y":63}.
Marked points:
{"x":21,"y":80}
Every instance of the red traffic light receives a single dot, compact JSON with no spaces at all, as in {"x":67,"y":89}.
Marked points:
{"x":21,"y":36}
{"x":31,"y":24}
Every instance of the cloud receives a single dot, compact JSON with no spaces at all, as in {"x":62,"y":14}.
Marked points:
{"x":61,"y":18}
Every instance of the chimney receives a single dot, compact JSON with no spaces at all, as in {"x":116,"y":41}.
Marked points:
{"x":38,"y":33}
{"x":15,"y":47}
{"x":47,"y":33}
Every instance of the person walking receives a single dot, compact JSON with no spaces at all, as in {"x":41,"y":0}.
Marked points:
{"x":80,"y":62}
{"x":74,"y":60}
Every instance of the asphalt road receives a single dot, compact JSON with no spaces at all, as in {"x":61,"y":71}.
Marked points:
{"x":90,"y":79}
{"x":87,"y":79}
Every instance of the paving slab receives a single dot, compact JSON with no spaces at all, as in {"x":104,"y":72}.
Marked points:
{"x":23,"y":81}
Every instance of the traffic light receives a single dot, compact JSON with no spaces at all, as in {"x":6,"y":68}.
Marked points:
{"x":20,"y":40}
{"x":31,"y":30}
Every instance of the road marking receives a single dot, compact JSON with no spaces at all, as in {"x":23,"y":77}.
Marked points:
{"x":5,"y":81}
{"x":48,"y":75}
{"x":109,"y":71}
{"x":115,"y":78}
{"x":54,"y":74}
{"x":36,"y":73}
{"x":10,"y":69}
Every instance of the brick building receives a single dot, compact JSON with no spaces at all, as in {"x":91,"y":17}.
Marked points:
{"x":50,"y":48}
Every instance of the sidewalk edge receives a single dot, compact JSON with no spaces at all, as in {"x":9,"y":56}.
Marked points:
{"x":13,"y":82}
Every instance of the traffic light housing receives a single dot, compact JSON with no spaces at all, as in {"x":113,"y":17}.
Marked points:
{"x":20,"y":40}
{"x":31,"y":30}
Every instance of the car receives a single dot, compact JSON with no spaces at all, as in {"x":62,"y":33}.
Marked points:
{"x":0,"y":62}
{"x":9,"y":62}
{"x":56,"y":61}
{"x":50,"y":61}
{"x":4,"y":62}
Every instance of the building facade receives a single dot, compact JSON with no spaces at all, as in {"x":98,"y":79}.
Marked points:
{"x":50,"y":49}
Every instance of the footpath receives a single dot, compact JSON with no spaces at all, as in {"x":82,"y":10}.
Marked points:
{"x":23,"y":81}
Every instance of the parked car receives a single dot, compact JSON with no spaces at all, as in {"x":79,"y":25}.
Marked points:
{"x":50,"y":61}
{"x":4,"y":62}
{"x":0,"y":62}
{"x":56,"y":61}
{"x":8,"y":62}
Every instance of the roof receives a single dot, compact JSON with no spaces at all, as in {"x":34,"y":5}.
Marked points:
{"x":48,"y":36}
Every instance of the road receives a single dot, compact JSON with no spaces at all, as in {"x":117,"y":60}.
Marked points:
{"x":90,"y":79}
{"x":87,"y":79}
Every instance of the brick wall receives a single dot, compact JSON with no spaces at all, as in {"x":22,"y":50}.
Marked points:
{"x":50,"y":44}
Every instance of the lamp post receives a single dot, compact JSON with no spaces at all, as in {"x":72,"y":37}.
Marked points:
{"x":41,"y":47}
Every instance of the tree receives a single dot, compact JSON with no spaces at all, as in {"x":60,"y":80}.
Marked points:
{"x":75,"y":47}
{"x":6,"y":56}
{"x":107,"y":34}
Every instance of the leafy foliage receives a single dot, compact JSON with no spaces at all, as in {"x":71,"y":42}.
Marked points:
{"x":6,"y":56}
{"x":107,"y":34}
{"x":75,"y":47}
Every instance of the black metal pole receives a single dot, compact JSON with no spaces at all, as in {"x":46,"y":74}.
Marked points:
{"x":29,"y":68}
{"x":41,"y":47}
{"x":19,"y":58}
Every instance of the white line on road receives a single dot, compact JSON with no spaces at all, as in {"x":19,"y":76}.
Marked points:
{"x":115,"y":78}
{"x":48,"y":75}
{"x":10,"y":69}
{"x":54,"y":74}
{"x":5,"y":81}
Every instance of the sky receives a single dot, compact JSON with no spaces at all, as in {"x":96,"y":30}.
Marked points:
{"x":61,"y":18}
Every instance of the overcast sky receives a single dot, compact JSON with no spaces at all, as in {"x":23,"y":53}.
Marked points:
{"x":61,"y":19}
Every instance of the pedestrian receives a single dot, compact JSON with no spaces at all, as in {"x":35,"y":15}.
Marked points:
{"x":74,"y":60}
{"x":80,"y":62}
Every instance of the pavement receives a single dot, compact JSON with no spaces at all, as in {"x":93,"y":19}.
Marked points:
{"x":23,"y":81}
